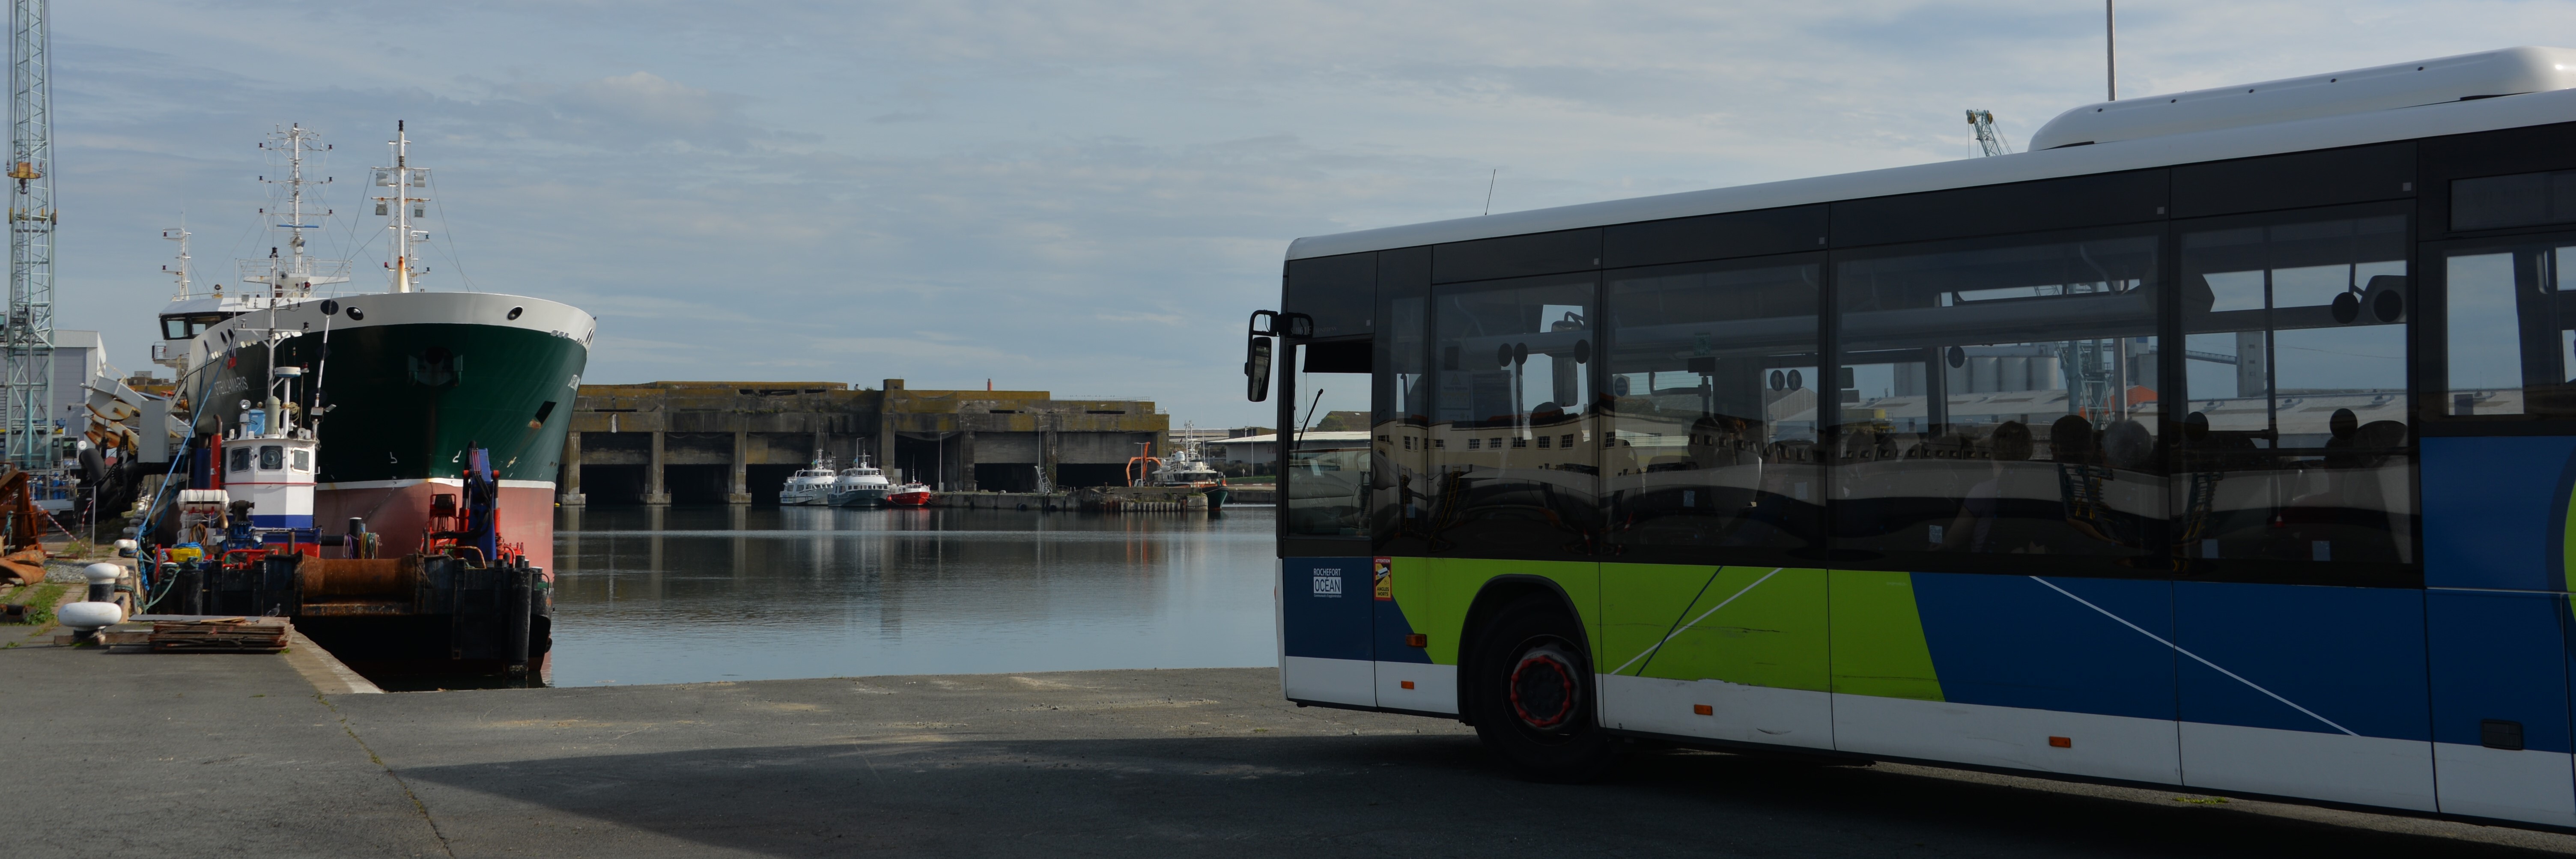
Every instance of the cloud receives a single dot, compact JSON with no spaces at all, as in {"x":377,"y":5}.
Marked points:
{"x":1084,"y":196}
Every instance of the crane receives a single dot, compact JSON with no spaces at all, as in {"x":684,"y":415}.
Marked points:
{"x":1990,"y":141}
{"x":27,"y":346}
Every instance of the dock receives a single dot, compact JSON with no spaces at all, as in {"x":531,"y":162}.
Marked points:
{"x":129,"y":753}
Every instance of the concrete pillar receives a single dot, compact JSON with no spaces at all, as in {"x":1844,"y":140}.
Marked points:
{"x":1047,"y":452}
{"x":654,"y":493}
{"x":741,"y":491}
{"x":966,"y":460}
{"x":885,"y":427}
{"x":568,"y":488}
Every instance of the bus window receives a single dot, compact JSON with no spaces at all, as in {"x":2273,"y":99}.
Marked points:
{"x":1712,"y":437}
{"x":2508,"y":331}
{"x":1398,"y":440}
{"x":1999,"y":397}
{"x":1511,"y":431}
{"x":2293,"y":400}
{"x":1328,"y":462}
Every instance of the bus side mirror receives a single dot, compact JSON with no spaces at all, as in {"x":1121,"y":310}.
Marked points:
{"x":1256,"y":369}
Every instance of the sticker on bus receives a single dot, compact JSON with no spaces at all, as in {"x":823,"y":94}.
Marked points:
{"x":1328,"y":583}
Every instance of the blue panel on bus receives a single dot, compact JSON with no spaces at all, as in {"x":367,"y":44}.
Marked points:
{"x":2498,"y":656}
{"x":2016,"y":641}
{"x":2350,"y":656}
{"x":2494,"y":508}
{"x":1324,"y":607}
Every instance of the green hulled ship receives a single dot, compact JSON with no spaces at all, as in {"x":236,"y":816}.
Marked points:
{"x":402,"y":382}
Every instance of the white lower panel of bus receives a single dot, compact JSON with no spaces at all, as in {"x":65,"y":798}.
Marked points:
{"x":2308,"y":764}
{"x":1738,"y":713}
{"x":1332,"y":681}
{"x":1434,"y":688}
{"x":2528,"y":785}
{"x":2121,"y":747}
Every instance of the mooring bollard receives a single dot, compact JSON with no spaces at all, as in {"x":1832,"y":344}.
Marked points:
{"x":102,"y":581}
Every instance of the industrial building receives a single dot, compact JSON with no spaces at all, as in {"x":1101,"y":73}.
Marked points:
{"x":737,"y":442}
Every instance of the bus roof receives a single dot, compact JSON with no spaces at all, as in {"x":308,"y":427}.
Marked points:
{"x":2374,"y":122}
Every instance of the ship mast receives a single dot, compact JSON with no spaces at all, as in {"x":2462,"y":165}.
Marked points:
{"x":179,"y":234}
{"x":294,"y":274}
{"x":403,"y":206}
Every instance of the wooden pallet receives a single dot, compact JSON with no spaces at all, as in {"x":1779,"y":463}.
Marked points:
{"x":221,"y":635}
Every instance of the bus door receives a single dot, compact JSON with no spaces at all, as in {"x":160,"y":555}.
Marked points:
{"x":2499,"y":460}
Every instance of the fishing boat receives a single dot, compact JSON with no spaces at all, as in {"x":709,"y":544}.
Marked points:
{"x":861,"y":485}
{"x":415,"y":379}
{"x":913,"y":494}
{"x":811,"y":485}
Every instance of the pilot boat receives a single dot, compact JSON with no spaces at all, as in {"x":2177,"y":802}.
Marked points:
{"x":860,"y":485}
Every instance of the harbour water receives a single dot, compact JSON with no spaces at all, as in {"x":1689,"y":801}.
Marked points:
{"x":695,"y":594}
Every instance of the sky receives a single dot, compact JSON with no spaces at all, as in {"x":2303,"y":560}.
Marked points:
{"x":1082,"y":197}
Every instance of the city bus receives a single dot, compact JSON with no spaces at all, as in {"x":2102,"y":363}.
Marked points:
{"x":2223,"y":441}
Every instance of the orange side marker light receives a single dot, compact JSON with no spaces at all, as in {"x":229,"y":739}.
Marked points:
{"x":1703,"y":709}
{"x":1406,"y":684}
{"x":2062,"y":742}
{"x":1417,"y":640}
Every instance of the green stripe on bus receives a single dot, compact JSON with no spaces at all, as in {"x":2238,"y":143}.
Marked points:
{"x":1758,"y":626}
{"x":1878,"y":645}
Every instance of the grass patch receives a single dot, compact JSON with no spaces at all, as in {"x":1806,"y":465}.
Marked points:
{"x":40,"y":605}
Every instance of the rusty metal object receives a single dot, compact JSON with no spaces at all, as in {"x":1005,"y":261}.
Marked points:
{"x":345,"y":586}
{"x":26,"y":566}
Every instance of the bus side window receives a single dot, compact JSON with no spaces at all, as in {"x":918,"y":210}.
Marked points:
{"x":2508,"y":330}
{"x":1712,"y":437}
{"x":1513,"y":435}
{"x":1999,"y":397}
{"x":2294,"y":447}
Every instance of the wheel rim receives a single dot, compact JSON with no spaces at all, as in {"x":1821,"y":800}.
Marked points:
{"x":1545,"y":695}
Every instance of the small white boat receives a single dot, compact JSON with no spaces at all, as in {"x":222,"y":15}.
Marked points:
{"x":861,"y":485}
{"x":809,"y":485}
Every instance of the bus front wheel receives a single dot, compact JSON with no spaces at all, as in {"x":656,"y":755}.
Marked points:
{"x":1532,"y":699}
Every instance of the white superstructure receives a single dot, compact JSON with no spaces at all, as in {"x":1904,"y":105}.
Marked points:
{"x":809,"y":485}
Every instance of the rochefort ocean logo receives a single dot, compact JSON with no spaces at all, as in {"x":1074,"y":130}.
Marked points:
{"x":1328,"y":582}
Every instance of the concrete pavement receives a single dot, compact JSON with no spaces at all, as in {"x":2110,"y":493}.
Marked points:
{"x":196,"y":755}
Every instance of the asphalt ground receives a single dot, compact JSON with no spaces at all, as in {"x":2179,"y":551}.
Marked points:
{"x":136,"y":754}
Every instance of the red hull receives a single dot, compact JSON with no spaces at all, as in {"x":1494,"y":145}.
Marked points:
{"x":909,"y":499}
{"x":397,"y":514}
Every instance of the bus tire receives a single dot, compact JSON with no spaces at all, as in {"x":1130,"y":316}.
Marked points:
{"x":1532,"y":694}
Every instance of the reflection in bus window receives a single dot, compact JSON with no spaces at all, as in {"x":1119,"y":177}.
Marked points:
{"x":2510,"y":331}
{"x":2294,"y":439}
{"x":1328,"y":454}
{"x":2000,"y":397}
{"x":1712,"y":437}
{"x":1511,"y":431}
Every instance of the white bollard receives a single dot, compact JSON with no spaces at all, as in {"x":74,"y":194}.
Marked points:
{"x":88,"y":616}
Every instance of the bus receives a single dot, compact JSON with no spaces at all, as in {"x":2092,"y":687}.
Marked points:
{"x":2223,"y":441}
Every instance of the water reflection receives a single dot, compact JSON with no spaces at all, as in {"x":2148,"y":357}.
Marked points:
{"x":677,"y":595}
